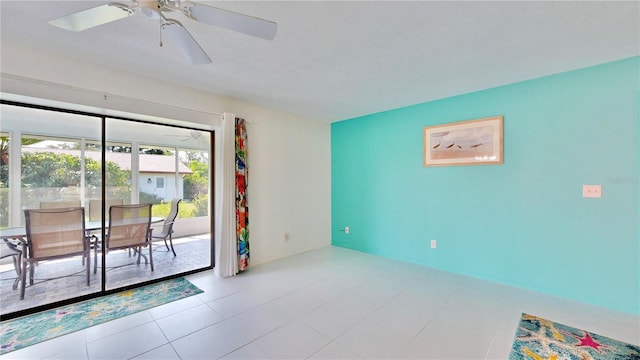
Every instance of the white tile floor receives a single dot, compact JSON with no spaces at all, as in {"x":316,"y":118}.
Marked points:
{"x":332,"y":303}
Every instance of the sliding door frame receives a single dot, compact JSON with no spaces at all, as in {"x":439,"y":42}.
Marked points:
{"x":103,"y":291}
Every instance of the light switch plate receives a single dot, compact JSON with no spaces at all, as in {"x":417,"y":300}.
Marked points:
{"x":592,"y":191}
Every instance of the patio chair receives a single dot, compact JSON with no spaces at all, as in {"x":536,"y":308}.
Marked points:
{"x":53,"y":234}
{"x":129,"y":228}
{"x":167,"y":226}
{"x":95,"y":214}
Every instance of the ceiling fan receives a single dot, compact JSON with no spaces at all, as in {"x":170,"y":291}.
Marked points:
{"x":193,"y":135}
{"x":172,"y":29}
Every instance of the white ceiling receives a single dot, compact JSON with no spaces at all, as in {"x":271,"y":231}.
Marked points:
{"x":336,"y":60}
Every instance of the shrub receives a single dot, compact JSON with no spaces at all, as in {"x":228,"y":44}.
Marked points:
{"x":146,"y":198}
{"x":201,"y":203}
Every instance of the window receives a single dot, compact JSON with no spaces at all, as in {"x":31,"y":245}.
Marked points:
{"x":160,"y":182}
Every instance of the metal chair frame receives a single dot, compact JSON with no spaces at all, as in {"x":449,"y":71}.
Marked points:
{"x":167,"y":226}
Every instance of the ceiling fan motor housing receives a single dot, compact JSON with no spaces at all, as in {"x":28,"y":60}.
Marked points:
{"x":151,"y":8}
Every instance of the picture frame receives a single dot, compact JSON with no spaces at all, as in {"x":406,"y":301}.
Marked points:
{"x":470,"y":142}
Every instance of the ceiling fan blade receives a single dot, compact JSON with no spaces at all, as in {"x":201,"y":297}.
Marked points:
{"x":93,"y":17}
{"x":233,"y":21}
{"x":176,"y":33}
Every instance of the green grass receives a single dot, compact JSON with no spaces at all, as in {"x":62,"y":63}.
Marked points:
{"x":185,"y":210}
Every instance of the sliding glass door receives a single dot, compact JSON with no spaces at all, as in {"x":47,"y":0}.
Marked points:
{"x":44,"y":168}
{"x":166,"y":166}
{"x":54,"y":158}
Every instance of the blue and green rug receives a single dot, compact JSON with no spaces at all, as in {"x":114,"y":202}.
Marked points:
{"x":538,"y":339}
{"x":29,"y":330}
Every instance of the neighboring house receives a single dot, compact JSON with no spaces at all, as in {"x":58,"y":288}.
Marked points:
{"x":157,"y":173}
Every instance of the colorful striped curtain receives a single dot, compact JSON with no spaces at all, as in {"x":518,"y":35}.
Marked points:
{"x":242,"y":208}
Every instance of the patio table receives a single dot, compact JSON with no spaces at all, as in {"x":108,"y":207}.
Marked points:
{"x":20,"y":233}
{"x":15,"y":237}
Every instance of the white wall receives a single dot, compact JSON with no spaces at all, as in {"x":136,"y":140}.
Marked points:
{"x":167,"y":192}
{"x":289,"y":156}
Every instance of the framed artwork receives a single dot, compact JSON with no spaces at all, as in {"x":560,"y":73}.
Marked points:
{"x":471,"y":142}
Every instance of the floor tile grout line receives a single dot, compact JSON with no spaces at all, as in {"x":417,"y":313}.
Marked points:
{"x":258,"y":338}
{"x":503,"y":313}
{"x":293,"y":319}
{"x":435,"y":314}
{"x":157,"y":347}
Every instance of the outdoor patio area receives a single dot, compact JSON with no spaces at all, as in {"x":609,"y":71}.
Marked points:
{"x":193,"y":252}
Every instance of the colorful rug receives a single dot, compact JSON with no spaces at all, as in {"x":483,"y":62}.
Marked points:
{"x":538,"y":338}
{"x":29,"y":330}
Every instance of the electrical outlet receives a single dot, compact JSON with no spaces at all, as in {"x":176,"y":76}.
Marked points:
{"x":346,"y":229}
{"x":434,"y":244}
{"x":592,"y":191}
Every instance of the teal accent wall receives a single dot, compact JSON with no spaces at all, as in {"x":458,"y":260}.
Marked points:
{"x":523,"y":223}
